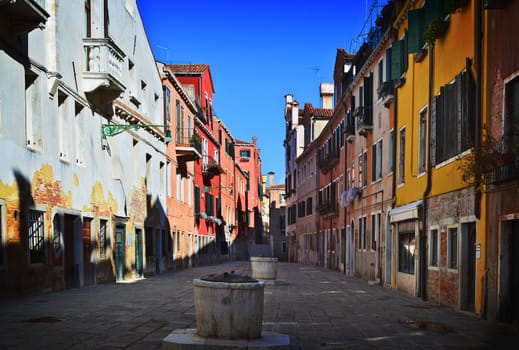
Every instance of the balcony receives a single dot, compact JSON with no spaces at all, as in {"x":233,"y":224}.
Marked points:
{"x":329,"y":208}
{"x":505,"y":172}
{"x":327,"y":161}
{"x":350,"y":131}
{"x":24,"y":15}
{"x":188,"y":145}
{"x":103,"y":74}
{"x":210,"y":167}
{"x":364,"y":117}
{"x":386,"y":93}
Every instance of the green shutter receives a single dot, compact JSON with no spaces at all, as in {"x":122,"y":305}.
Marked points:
{"x":433,"y":10}
{"x":416,"y":27}
{"x":197,"y":199}
{"x":396,"y":61}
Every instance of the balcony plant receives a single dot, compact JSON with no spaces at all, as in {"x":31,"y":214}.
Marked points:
{"x":435,"y":29}
{"x":489,"y":155}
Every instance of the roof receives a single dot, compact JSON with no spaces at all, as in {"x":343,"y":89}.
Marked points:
{"x":197,"y":69}
{"x":319,"y":112}
{"x":188,"y":68}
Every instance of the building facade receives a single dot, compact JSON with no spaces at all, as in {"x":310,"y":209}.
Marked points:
{"x":77,"y":207}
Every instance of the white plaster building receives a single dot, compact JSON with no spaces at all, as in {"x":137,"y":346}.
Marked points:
{"x":79,"y":207}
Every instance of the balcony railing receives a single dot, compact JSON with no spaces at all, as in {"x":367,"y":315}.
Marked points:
{"x":386,"y":92}
{"x":327,"y":161}
{"x":104,"y":65}
{"x":329,"y":208}
{"x":24,"y":15}
{"x":505,"y":172}
{"x":188,"y":145}
{"x":364,"y":117}
{"x":210,"y":166}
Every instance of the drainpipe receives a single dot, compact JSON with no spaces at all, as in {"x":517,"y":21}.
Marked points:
{"x":423,"y":234}
{"x":478,"y":37}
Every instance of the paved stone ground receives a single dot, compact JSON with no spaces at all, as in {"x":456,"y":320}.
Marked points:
{"x":318,"y":309}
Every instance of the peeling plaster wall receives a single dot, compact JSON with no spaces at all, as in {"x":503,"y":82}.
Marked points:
{"x":123,"y":182}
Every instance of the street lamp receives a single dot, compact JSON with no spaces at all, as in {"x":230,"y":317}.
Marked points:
{"x":108,"y":130}
{"x":208,"y":188}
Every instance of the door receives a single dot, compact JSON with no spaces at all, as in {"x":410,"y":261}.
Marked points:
{"x":469,"y":267}
{"x":138,"y":252}
{"x":70,"y":266}
{"x":514,"y":271}
{"x":88,"y":266}
{"x":120,"y":251}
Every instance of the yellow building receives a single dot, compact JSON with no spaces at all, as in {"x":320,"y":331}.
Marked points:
{"x":437,"y":234}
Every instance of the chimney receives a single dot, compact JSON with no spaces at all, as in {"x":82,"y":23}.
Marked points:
{"x":254,"y":141}
{"x":326,"y":95}
{"x":295,"y":114}
{"x":271,"y":178}
{"x":288,"y":98}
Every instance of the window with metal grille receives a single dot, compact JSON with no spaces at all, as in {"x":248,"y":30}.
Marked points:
{"x":452,"y":247}
{"x":103,"y":238}
{"x":36,"y":237}
{"x":433,"y":248}
{"x":406,"y":252}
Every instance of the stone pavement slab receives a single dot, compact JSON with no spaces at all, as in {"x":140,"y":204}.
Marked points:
{"x":316,"y":308}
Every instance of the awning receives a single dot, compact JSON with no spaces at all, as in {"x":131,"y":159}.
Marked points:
{"x":405,"y":212}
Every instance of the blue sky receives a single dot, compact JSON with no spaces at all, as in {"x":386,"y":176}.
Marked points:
{"x":258,"y":50}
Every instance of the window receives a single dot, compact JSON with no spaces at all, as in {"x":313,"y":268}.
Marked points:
{"x":452,"y":118}
{"x":282,"y":224}
{"x":57,"y":234}
{"x":103,"y":239}
{"x":422,"y":141}
{"x":380,"y":73}
{"x":167,"y":105}
{"x":36,"y":237}
{"x":309,"y":206}
{"x":433,"y":248}
{"x":33,"y":117}
{"x":406,"y":252}
{"x":376,"y":161}
{"x":301,"y":212}
{"x":452,"y":247}
{"x":80,"y":135}
{"x":63,"y":127}
{"x":362,"y":233}
{"x":375,"y":230}
{"x":399,"y":59}
{"x":364,"y":165}
{"x":391,"y":158}
{"x":148,"y":173}
{"x":179,"y":127}
{"x":401,"y":158}
{"x":511,"y":123}
{"x":245,"y":153}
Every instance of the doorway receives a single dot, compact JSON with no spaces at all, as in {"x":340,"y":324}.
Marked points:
{"x":468,"y":267}
{"x":88,"y":265}
{"x":138,"y":252}
{"x":509,"y":272}
{"x":120,"y":251}
{"x":71,"y":247}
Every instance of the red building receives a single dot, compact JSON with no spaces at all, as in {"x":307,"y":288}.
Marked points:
{"x":248,"y":158}
{"x":197,"y":82}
